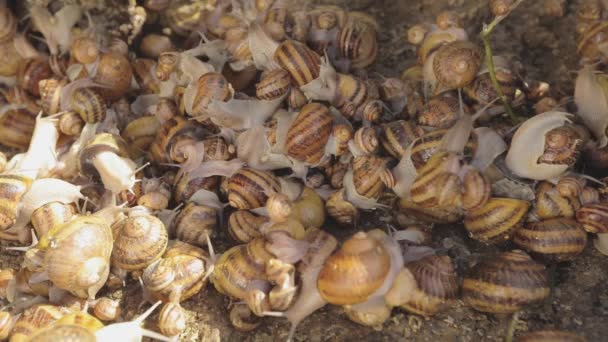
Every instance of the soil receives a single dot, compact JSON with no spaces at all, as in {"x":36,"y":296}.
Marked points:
{"x":579,"y":301}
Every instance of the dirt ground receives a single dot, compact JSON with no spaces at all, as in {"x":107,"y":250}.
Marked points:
{"x":579,"y":300}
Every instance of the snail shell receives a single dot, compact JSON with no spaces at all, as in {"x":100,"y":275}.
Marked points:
{"x":557,"y":239}
{"x":195,"y":223}
{"x":309,"y":133}
{"x":186,"y":186}
{"x":357,"y":40}
{"x":309,"y":209}
{"x":477,"y":190}
{"x":447,"y":19}
{"x":114,"y":71}
{"x":569,"y":186}
{"x":84,"y":50}
{"x":31,"y":72}
{"x":371,"y":176}
{"x":152,"y":45}
{"x":530,"y":143}
{"x":500,"y":7}
{"x":550,"y":335}
{"x":36,"y":318}
{"x":549,"y":203}
{"x":7,"y":322}
{"x":144,"y":71}
{"x":88,"y":104}
{"x":172,"y":319}
{"x":138,"y":241}
{"x":8,"y":24}
{"x":298,"y":60}
{"x":244,"y":225}
{"x":428,"y":144}
{"x":496,"y":220}
{"x":64,"y":332}
{"x":352,"y":95}
{"x":456,"y":64}
{"x":107,"y":309}
{"x":51,"y":215}
{"x":17,"y":127}
{"x":77,"y":257}
{"x":174,"y":278}
{"x":243,"y":319}
{"x":239,"y":266}
{"x":594,"y":217}
{"x":210,"y":87}
{"x":273,"y":84}
{"x":441,"y":111}
{"x":505,"y":283}
{"x":437,"y":285}
{"x":340,"y":209}
{"x":71,"y":124}
{"x":296,"y":98}
{"x":440,"y":215}
{"x":140,"y":134}
{"x":355,"y":271}
{"x":6,"y":277}
{"x":398,"y":135}
{"x":427,"y":186}
{"x":250,"y":188}
{"x":169,"y":131}
{"x":562,"y":146}
{"x":50,"y":94}
{"x":12,"y":189}
{"x":167,"y":63}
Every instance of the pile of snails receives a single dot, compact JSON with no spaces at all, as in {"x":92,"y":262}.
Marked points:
{"x":259,"y":121}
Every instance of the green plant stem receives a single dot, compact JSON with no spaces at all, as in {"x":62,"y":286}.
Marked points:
{"x":511,"y":327}
{"x":485,"y":36}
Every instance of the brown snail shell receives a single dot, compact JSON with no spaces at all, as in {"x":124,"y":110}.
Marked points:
{"x":562,"y":146}
{"x":302,"y":63}
{"x":569,"y":186}
{"x":309,"y":133}
{"x":296,"y":98}
{"x":50,"y":215}
{"x":138,"y":241}
{"x":114,"y":71}
{"x":352,"y":95}
{"x":186,"y":186}
{"x":250,"y":188}
{"x":174,"y":278}
{"x":167,"y":62}
{"x":440,"y":215}
{"x":273,"y":84}
{"x":437,"y":285}
{"x":31,"y":72}
{"x":210,"y":87}
{"x":594,"y":217}
{"x":550,"y":335}
{"x":167,"y":133}
{"x":340,"y":209}
{"x":505,"y":283}
{"x":357,"y":41}
{"x":244,"y":225}
{"x":7,"y":322}
{"x":355,"y":271}
{"x":427,"y":186}
{"x":557,"y":239}
{"x":50,"y":94}
{"x":89,"y":104}
{"x":500,"y":7}
{"x":172,"y":319}
{"x":84,"y":50}
{"x":140,"y":134}
{"x":549,"y":203}
{"x":428,"y":144}
{"x":144,"y":71}
{"x":12,"y":189}
{"x":243,"y":319}
{"x":477,"y":190}
{"x":71,"y":124}
{"x":152,"y":45}
{"x":16,"y":128}
{"x":456,"y":64}
{"x":396,"y":136}
{"x":496,"y":220}
{"x":441,"y":111}
{"x":371,"y":175}
{"x":36,"y":318}
{"x":77,"y":257}
{"x":195,"y":223}
{"x":107,"y":309}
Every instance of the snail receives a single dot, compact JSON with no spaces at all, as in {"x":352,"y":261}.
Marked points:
{"x":483,"y":288}
{"x":441,"y":111}
{"x":298,"y":60}
{"x":114,"y":71}
{"x":593,"y":219}
{"x":172,"y":319}
{"x":195,"y":223}
{"x":36,"y":318}
{"x":496,"y":220}
{"x":559,"y":239}
{"x":250,"y":188}
{"x":31,"y":72}
{"x":130,"y":331}
{"x":357,"y":40}
{"x":106,"y":309}
{"x":454,"y":65}
{"x":555,"y":201}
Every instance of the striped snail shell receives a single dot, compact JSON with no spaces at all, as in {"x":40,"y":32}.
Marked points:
{"x":210,"y":87}
{"x":309,"y":133}
{"x":31,"y":72}
{"x":371,"y":176}
{"x":36,"y":318}
{"x":296,"y":99}
{"x":558,"y":239}
{"x":441,"y":111}
{"x":273,"y":84}
{"x":436,"y":285}
{"x":477,"y":190}
{"x":428,"y":144}
{"x":550,"y":335}
{"x":440,"y":215}
{"x":71,"y":124}
{"x":357,"y":40}
{"x":140,"y":134}
{"x":352,"y":95}
{"x":340,"y":209}
{"x":373,"y":110}
{"x":107,"y":309}
{"x":456,"y":64}
{"x":594,"y":217}
{"x":242,"y":319}
{"x":114,"y":71}
{"x":186,"y":186}
{"x":343,"y":134}
{"x":298,"y":60}
{"x":550,"y":203}
{"x":7,"y":275}
{"x":51,"y":215}
{"x":239,"y":266}
{"x":84,"y":50}
{"x":396,"y":136}
{"x":496,"y":220}
{"x":172,"y":319}
{"x":89,"y":104}
{"x":167,"y":133}
{"x":589,"y":195}
{"x":427,"y":187}
{"x":50,"y":94}
{"x":562,"y":146}
{"x":17,"y":127}
{"x":309,"y":209}
{"x":138,"y":241}
{"x":250,"y":188}
{"x":244,"y":226}
{"x":77,"y":257}
{"x":505,"y":283}
{"x":12,"y":189}
{"x":174,"y":278}
{"x":195,"y":223}
{"x":167,"y":63}
{"x":569,"y":186}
